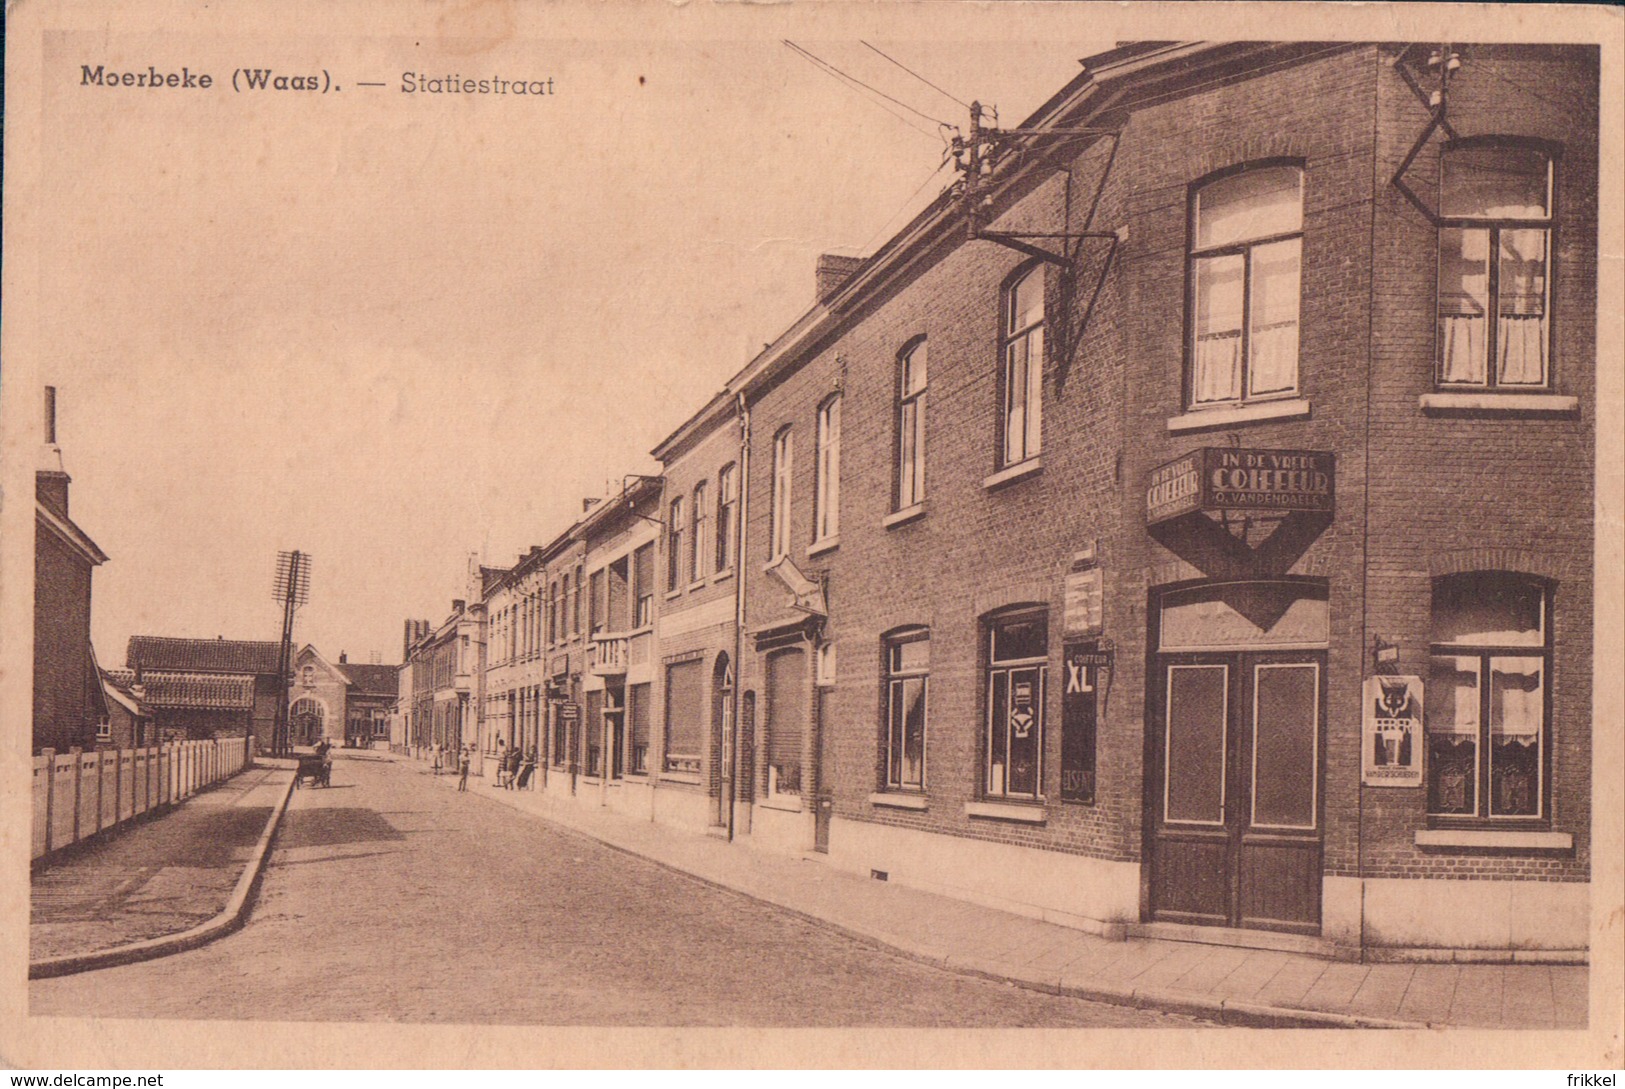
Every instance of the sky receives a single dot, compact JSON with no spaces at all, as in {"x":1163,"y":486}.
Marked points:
{"x":394,"y":330}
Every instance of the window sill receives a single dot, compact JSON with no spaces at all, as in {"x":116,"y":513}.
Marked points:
{"x":904,"y":516}
{"x":1494,"y":838}
{"x":828,"y":544}
{"x":721,"y":575}
{"x":785,"y":803}
{"x":673,"y":595}
{"x":1499,"y":404}
{"x":899,"y":801}
{"x":1200,"y":419}
{"x":698,"y":583}
{"x":1019,"y":471}
{"x":1006,"y":811}
{"x":683,"y":777}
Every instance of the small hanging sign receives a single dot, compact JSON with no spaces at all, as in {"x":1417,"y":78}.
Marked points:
{"x":1392,"y":748}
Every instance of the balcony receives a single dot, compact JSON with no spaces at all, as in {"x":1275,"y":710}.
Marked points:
{"x":608,"y":654}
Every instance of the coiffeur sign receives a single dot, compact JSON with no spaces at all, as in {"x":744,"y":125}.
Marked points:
{"x":1221,"y":478}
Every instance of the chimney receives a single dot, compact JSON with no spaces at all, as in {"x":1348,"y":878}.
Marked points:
{"x":457,"y":604}
{"x":50,"y":481}
{"x":833,"y":271}
{"x":344,"y":659}
{"x":589,"y":503}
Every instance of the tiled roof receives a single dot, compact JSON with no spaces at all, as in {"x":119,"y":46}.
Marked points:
{"x":202,"y":691}
{"x":124,"y":678}
{"x":201,"y":655}
{"x":380,"y":680}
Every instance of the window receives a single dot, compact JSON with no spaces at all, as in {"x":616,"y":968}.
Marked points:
{"x":702,"y":521}
{"x":555,"y":614}
{"x":911,"y":376}
{"x":643,"y":579}
{"x":782,"y":454}
{"x":1018,"y":655}
{"x":1495,"y":203}
{"x":827,"y":497}
{"x":908,"y":663}
{"x":685,"y":698}
{"x":575,"y":601}
{"x":675,"y":528}
{"x":727,"y":512}
{"x":596,"y":618}
{"x":1022,"y":349}
{"x":1489,"y":678}
{"x":1246,"y":254}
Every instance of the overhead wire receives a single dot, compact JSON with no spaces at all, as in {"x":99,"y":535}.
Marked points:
{"x":917,"y":76}
{"x":886,"y":224}
{"x":830,"y":69}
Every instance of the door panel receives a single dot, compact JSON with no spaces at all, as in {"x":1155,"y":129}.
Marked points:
{"x":1235,"y":835}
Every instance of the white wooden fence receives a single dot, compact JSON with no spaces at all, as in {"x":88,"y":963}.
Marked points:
{"x":79,"y":794}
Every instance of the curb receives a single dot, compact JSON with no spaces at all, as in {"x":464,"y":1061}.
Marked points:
{"x":229,"y":919}
{"x":1226,"y":1011}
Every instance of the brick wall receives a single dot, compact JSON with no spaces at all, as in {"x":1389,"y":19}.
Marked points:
{"x":64,"y":677}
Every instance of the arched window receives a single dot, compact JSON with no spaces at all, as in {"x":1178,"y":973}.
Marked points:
{"x":1245,"y":260}
{"x":783,"y":453}
{"x":1017,"y":668}
{"x":827,"y":494}
{"x":1021,"y":347}
{"x":1487,"y":696}
{"x":676,"y":529}
{"x":702,"y":522}
{"x":1495,"y":207}
{"x":912,"y":372}
{"x":727,"y":513}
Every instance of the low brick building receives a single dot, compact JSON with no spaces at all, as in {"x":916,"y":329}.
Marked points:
{"x":347,"y":703}
{"x":1205,"y":534}
{"x":208,"y":687}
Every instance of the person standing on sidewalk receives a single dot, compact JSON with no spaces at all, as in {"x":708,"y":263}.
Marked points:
{"x":462,"y":770}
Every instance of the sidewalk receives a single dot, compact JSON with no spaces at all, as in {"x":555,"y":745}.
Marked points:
{"x":165,"y":876}
{"x":1237,"y":986}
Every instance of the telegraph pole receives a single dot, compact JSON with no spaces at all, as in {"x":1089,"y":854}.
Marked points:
{"x":292,"y":588}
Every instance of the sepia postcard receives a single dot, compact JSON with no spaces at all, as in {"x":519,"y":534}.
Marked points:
{"x":649,"y":535}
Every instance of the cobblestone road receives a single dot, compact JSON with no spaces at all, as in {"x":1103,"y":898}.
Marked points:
{"x":388,"y":899}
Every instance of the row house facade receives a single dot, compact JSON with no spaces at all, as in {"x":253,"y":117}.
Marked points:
{"x":1183,"y":528}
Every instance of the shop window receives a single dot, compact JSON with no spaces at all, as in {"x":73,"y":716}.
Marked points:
{"x":1487,"y":696}
{"x":1017,"y":667}
{"x":1495,"y":203}
{"x":911,"y":379}
{"x":783,"y":453}
{"x":827,"y":496}
{"x":685,"y":700}
{"x":1021,"y":347}
{"x":786,"y":718}
{"x":908,"y":668}
{"x":1245,"y":261}
{"x":727,"y":513}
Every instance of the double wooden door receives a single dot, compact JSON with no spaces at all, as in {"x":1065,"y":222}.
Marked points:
{"x":1233,"y":789}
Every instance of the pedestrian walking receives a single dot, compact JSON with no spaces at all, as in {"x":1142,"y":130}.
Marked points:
{"x":462,"y":771}
{"x":435,"y":757}
{"x":528,"y":768}
{"x":512,"y":763}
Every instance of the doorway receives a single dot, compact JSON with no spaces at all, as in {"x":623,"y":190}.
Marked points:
{"x":1236,"y":728}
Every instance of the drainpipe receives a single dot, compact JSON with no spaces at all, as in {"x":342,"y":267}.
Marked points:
{"x":739,"y":607}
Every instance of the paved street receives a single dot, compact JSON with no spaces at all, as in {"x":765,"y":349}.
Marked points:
{"x":389,"y":898}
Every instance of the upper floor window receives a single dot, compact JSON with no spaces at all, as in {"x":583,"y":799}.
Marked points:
{"x":911,"y":378}
{"x":575,"y":601}
{"x":1022,"y":349}
{"x":782,"y":454}
{"x":727,"y":513}
{"x":827,"y":500}
{"x":702,"y":523}
{"x":676,"y":528}
{"x":643,"y":586}
{"x":1246,"y":256}
{"x":1495,"y":203}
{"x":1489,"y":679}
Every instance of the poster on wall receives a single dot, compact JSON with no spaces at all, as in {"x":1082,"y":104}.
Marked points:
{"x":1392,"y":749}
{"x":1079,"y":715}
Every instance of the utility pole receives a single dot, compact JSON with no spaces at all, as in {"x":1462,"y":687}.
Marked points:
{"x":292,"y":588}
